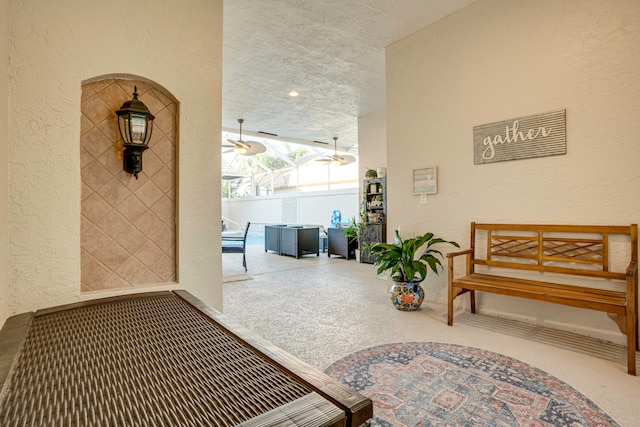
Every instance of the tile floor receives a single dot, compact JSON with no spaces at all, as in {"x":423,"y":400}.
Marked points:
{"x":320,"y":309}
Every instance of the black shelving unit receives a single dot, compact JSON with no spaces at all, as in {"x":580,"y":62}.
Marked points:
{"x":375,"y":208}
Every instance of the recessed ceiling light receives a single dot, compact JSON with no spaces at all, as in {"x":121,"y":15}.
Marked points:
{"x":294,"y":93}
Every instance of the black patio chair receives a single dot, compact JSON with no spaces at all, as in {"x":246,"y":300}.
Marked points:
{"x":236,"y":244}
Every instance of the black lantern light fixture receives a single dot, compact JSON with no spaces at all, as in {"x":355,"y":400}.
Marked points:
{"x":135,"y":122}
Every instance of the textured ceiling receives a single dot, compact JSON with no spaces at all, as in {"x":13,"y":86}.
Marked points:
{"x":330,"y":51}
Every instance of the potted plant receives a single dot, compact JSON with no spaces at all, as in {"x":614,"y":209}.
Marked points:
{"x":353,"y":229}
{"x":408,"y":261}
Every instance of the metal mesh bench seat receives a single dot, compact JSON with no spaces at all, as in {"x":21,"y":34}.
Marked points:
{"x":161,"y":359}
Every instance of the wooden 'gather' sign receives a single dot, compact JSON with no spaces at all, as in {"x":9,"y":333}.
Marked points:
{"x":540,"y":135}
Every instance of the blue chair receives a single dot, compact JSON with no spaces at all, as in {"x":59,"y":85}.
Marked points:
{"x":236,"y":244}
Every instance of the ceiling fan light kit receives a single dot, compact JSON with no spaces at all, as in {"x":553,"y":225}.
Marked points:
{"x":240,"y":150}
{"x":335,"y":159}
{"x":245,"y":148}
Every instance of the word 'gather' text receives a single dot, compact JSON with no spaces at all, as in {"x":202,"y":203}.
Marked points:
{"x":512,"y":135}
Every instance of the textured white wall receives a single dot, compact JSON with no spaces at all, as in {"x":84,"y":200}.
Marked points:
{"x":499,"y":59}
{"x":372,"y":142}
{"x":312,"y":208}
{"x":318,"y":208}
{"x":4,"y":146}
{"x":54,"y":47}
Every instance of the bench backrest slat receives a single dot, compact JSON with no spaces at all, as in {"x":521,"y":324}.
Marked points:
{"x":569,"y":249}
{"x":550,"y":269}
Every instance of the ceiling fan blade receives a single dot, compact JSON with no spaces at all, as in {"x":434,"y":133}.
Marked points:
{"x":338,"y":160}
{"x":239,"y":143}
{"x":253,"y":148}
{"x":246,"y":148}
{"x":326,"y":158}
{"x":346,"y":159}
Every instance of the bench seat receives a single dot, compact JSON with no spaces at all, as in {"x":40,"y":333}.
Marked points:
{"x":576,"y":296}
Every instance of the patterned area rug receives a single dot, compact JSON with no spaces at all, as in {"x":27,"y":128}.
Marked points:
{"x":436,"y":384}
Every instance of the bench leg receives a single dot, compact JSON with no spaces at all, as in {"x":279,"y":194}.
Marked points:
{"x":472,"y":296}
{"x":450,"y":298}
{"x":631,"y":352}
{"x":452,"y":294}
{"x":632,"y":341}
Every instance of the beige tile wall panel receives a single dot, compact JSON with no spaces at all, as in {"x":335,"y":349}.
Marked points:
{"x":128,"y":225}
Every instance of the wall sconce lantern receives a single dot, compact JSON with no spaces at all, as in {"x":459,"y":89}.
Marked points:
{"x":135,"y":123}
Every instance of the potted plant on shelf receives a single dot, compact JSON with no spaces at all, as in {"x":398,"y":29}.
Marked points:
{"x":406,"y":269}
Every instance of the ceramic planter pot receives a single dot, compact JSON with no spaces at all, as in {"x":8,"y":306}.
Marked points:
{"x":406,"y":296}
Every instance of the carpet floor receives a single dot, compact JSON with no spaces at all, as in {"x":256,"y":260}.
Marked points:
{"x":437,"y":384}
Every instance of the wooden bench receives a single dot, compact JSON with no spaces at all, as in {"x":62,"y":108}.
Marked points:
{"x":553,"y":251}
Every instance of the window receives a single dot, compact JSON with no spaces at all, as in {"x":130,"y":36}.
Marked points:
{"x":283,"y":167}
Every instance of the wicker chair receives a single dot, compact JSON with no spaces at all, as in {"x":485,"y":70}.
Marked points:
{"x":236,"y":244}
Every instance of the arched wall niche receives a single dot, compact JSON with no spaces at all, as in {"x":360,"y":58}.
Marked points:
{"x":128,"y":225}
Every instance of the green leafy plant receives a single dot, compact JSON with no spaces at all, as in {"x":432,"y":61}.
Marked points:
{"x":371,"y":173}
{"x":353,"y":229}
{"x":399,"y":257}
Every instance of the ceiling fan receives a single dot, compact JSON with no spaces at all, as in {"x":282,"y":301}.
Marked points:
{"x":335,"y":159}
{"x":245,"y":148}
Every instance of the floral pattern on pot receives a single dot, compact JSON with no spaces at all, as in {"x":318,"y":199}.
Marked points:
{"x":406,"y":296}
